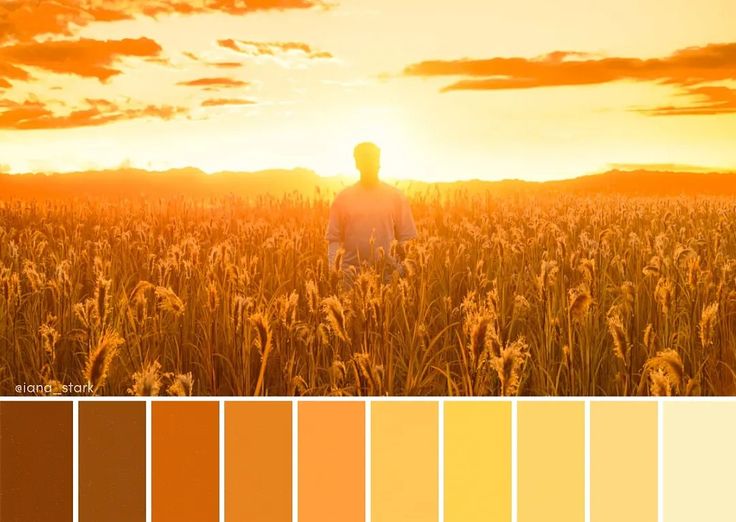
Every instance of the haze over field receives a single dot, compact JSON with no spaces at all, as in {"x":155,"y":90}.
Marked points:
{"x":193,"y":183}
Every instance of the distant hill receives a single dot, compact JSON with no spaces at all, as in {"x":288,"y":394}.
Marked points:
{"x":653,"y":182}
{"x":187,"y":182}
{"x":191,"y":182}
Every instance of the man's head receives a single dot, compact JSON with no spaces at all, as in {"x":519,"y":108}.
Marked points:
{"x":367,"y":161}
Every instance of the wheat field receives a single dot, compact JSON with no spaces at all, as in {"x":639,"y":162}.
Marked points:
{"x":504,"y":295}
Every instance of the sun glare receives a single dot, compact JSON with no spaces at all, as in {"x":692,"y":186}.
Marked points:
{"x":386,"y":127}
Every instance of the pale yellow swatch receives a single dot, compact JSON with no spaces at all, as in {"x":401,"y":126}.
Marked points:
{"x":623,"y":461}
{"x":404,"y":455}
{"x":551,"y":461}
{"x":699,"y":461}
{"x":478,"y":461}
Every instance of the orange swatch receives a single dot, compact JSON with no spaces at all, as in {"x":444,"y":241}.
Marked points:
{"x":258,"y":461}
{"x":331,"y":462}
{"x":184,"y":461}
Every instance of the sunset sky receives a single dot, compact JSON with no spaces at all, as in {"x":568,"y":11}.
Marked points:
{"x":450,"y":90}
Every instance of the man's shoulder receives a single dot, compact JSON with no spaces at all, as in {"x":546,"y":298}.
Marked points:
{"x":344,"y":193}
{"x":359,"y":191}
{"x":349,"y":190}
{"x":393,"y":191}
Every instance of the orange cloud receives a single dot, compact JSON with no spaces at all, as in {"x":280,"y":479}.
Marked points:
{"x":686,"y":68}
{"x":34,"y":115}
{"x":24,"y":20}
{"x":214,"y":83}
{"x":227,"y":65}
{"x":714,"y":100}
{"x":272,"y":48}
{"x":9,"y":71}
{"x":221,"y":65}
{"x":85,"y":57}
{"x":219,"y":102}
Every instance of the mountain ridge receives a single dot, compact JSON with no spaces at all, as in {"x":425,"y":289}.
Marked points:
{"x":193,"y":182}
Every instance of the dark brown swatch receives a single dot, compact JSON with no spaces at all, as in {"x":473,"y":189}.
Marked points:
{"x":36,"y":461}
{"x":184,"y":461}
{"x":112,"y":461}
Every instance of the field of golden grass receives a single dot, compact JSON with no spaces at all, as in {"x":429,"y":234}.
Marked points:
{"x":575,"y":295}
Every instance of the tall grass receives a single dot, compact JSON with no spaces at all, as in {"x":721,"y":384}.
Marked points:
{"x":503,"y":296}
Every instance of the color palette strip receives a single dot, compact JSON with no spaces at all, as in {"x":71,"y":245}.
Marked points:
{"x":377,"y":460}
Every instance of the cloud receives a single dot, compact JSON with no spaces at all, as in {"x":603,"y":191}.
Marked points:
{"x":226,"y":65}
{"x":34,"y":115}
{"x":84,"y":57}
{"x":214,"y":83}
{"x":685,"y":68}
{"x":24,"y":20}
{"x":714,"y":100}
{"x":221,"y":65}
{"x":219,"y":102}
{"x":8,"y":72}
{"x":251,"y":48}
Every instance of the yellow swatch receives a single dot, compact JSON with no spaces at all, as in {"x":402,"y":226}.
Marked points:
{"x":551,"y":461}
{"x":404,"y":455}
{"x":478,"y":461}
{"x":623,"y":461}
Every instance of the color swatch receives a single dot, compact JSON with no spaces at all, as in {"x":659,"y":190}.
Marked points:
{"x":258,"y":461}
{"x":185,"y":461}
{"x":477,"y":461}
{"x":112,"y":461}
{"x":699,"y":461}
{"x":332,"y":461}
{"x":36,"y":461}
{"x":404,"y":454}
{"x":551,"y":461}
{"x":352,"y":460}
{"x":623,"y":461}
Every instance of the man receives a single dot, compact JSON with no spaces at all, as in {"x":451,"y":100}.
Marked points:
{"x":368,"y":216}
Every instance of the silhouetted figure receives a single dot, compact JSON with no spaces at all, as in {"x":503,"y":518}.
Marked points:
{"x":368,"y":216}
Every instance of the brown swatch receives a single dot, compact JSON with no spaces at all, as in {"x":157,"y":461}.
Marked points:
{"x":258,"y":461}
{"x":112,"y":461}
{"x":36,"y":461}
{"x":184,"y":461}
{"x":331,"y":462}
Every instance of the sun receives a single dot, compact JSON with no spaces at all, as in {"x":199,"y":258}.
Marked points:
{"x":387,"y":127}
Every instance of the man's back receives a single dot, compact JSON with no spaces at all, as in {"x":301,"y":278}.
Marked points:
{"x":366,"y":217}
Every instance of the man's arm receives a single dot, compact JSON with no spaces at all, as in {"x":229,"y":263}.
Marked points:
{"x":334,"y":233}
{"x":406,"y":228}
{"x":332,"y":248}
